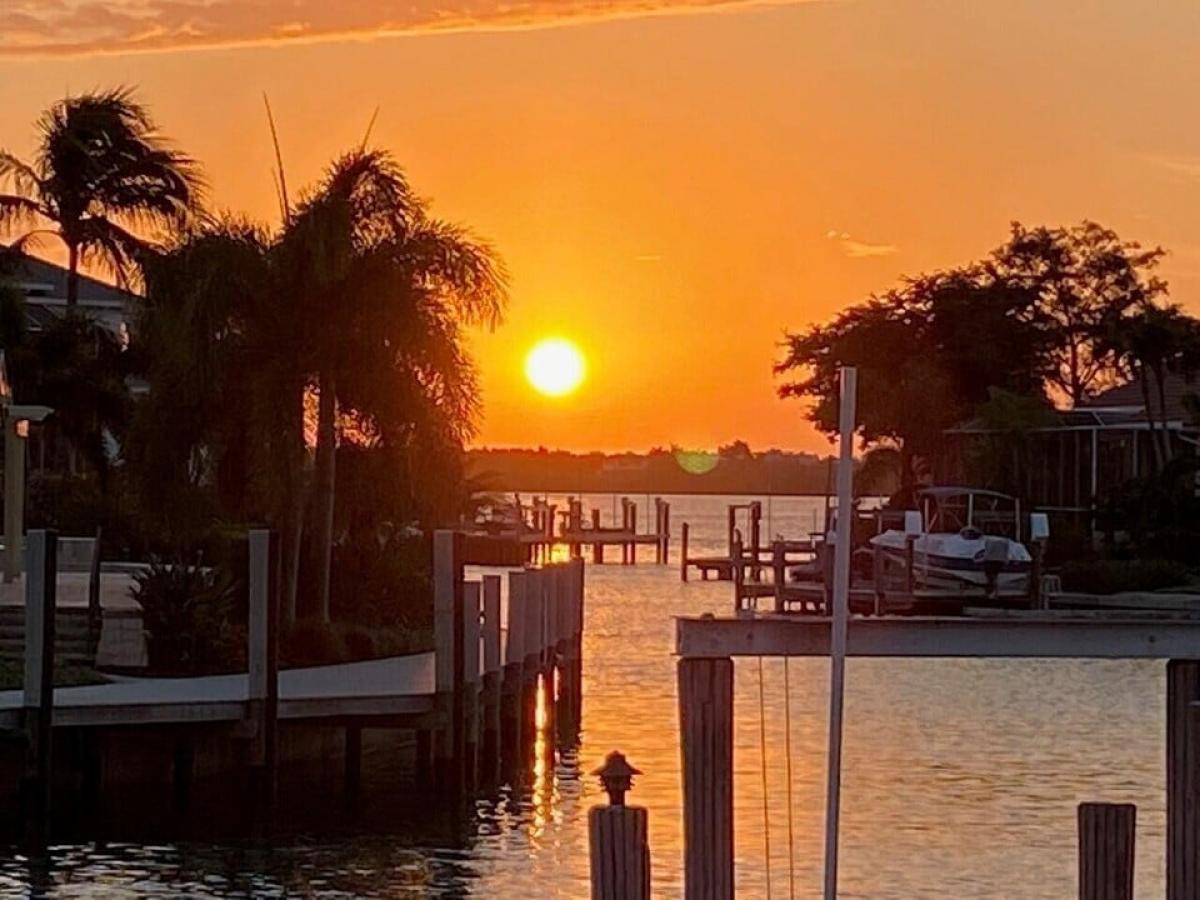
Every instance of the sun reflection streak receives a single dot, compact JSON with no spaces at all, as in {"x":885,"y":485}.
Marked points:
{"x":542,"y":794}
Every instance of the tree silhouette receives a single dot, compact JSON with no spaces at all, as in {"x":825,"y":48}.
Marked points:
{"x":101,"y":174}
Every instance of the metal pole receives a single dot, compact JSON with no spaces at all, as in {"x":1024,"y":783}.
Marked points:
{"x":841,"y":612}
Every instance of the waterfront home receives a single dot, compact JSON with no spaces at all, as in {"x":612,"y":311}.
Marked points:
{"x":1083,"y":454}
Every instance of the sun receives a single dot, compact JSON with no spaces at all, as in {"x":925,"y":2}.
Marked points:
{"x":555,"y":367}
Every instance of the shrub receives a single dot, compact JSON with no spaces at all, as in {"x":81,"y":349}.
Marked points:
{"x":1112,"y":576}
{"x":186,"y":612}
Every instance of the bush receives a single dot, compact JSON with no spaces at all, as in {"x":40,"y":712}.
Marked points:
{"x":311,"y":642}
{"x":1113,"y":576}
{"x":187,"y":615}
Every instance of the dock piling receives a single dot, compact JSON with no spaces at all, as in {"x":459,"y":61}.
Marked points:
{"x":469,"y":722}
{"x":263,"y":659}
{"x":706,"y":735}
{"x":1183,"y":783}
{"x":41,"y":583}
{"x":1106,"y":850}
{"x":618,"y":837}
{"x":492,"y":678}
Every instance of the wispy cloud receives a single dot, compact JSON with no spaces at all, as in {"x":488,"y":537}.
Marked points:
{"x":1186,"y":167}
{"x":860,"y":249}
{"x":67,"y":27}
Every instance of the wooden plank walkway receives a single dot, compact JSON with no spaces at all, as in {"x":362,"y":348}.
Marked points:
{"x":385,"y":687}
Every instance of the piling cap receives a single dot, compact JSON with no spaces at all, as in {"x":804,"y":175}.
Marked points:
{"x":617,"y":776}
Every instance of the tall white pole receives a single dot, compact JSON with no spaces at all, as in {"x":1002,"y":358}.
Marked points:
{"x":840,"y":615}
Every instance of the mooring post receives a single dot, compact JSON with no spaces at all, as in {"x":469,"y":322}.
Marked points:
{"x":618,"y":837}
{"x":683,"y":552}
{"x":597,"y":539}
{"x":580,"y":583}
{"x":779,"y":574}
{"x":448,"y":656}
{"x":493,"y":674}
{"x":1106,"y":850}
{"x":263,"y":659}
{"x":471,"y":684}
{"x":658,"y":518}
{"x":550,"y":611}
{"x":41,"y":600}
{"x":1183,"y":783}
{"x":534,"y":616}
{"x":512,"y":693}
{"x":877,"y":575}
{"x":706,"y":736}
{"x":737,"y":574}
{"x":633,"y":534}
{"x":666,"y":533}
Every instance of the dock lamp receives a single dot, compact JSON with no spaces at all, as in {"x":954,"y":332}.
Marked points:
{"x":16,"y":417}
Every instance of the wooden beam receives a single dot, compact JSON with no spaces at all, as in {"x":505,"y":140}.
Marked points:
{"x":263,"y":662}
{"x":1183,"y":785}
{"x":996,"y":637}
{"x":706,"y":737}
{"x":41,"y":584}
{"x":1106,"y":850}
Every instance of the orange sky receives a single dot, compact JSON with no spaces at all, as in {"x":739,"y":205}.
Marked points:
{"x":672,"y":191}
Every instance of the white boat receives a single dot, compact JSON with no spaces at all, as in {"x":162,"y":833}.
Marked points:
{"x":957,"y":542}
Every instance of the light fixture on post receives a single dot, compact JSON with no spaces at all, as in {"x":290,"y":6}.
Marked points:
{"x":16,"y":431}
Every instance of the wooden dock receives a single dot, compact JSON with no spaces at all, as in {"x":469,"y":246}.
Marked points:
{"x":543,"y":526}
{"x":471,"y":702}
{"x":708,"y":647}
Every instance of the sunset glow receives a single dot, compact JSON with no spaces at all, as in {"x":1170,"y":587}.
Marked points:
{"x":555,"y":367}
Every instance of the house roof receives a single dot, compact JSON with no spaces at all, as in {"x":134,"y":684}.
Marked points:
{"x":1128,"y":398}
{"x":42,"y":280}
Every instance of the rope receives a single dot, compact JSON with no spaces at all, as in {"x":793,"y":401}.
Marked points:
{"x":787,"y":725}
{"x":762,"y":747}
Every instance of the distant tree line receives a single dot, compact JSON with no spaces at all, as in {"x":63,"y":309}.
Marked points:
{"x":731,"y":469}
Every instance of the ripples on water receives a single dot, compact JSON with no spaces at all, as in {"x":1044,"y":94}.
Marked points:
{"x":961,"y":778}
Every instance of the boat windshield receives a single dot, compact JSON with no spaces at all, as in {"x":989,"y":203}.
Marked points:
{"x":950,"y":510}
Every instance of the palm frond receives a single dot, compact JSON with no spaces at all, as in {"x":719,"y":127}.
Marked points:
{"x":25,"y":180}
{"x":19,"y":212}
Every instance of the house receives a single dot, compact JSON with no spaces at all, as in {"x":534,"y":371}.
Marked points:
{"x":1083,"y":454}
{"x":44,"y":286}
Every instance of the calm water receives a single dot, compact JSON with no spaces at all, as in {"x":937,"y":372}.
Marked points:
{"x":961,"y":778}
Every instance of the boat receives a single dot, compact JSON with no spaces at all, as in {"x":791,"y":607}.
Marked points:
{"x":962,"y":538}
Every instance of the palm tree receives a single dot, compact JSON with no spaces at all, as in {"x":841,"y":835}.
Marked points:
{"x":1151,"y":344}
{"x":383,"y":289}
{"x":101,"y":174}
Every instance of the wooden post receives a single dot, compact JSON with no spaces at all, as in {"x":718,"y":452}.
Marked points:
{"x":737,"y":574}
{"x":1183,"y":783}
{"x":706,"y":735}
{"x":618,"y":839}
{"x":1106,"y":850}
{"x":779,"y":574}
{"x":37,"y":699}
{"x":511,"y":705}
{"x":683,"y":552}
{"x":95,"y":612}
{"x":493,"y":668}
{"x":14,"y":494}
{"x":447,"y":627}
{"x":666,"y":534}
{"x":878,"y":561}
{"x":597,"y":541}
{"x":580,"y":585}
{"x":263,"y":659}
{"x":471,"y":684}
{"x":910,"y":564}
{"x":633,"y":534}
